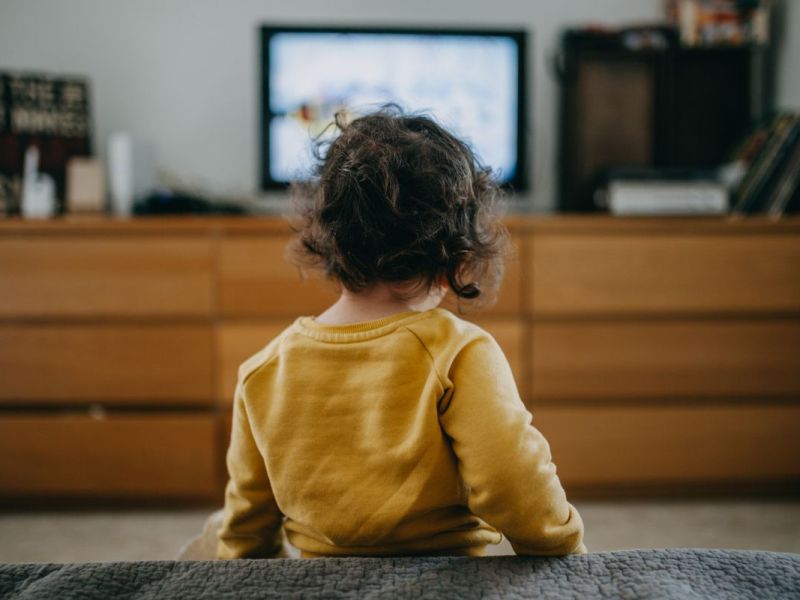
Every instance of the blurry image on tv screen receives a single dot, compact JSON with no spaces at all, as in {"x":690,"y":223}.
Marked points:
{"x":468,"y":83}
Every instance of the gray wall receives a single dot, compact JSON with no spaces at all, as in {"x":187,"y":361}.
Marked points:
{"x":788,"y":55}
{"x":184,"y":73}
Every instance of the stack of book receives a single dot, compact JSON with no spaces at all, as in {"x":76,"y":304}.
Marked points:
{"x":770,"y":161}
{"x":663,"y":191}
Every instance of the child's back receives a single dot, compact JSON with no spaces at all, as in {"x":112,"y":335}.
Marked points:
{"x":401,"y":434}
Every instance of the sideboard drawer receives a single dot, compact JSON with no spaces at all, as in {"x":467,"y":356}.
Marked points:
{"x":134,"y":364}
{"x":255,"y":279}
{"x":664,"y":273}
{"x":668,"y":359}
{"x":236,"y":342}
{"x":103,"y":276}
{"x":125,"y":455}
{"x":606,"y":446}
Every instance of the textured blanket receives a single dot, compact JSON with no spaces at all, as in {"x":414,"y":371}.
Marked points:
{"x":683,"y":574}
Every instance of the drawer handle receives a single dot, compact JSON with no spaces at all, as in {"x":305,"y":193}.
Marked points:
{"x":97,"y":412}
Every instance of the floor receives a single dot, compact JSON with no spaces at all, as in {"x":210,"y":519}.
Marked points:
{"x":159,"y":534}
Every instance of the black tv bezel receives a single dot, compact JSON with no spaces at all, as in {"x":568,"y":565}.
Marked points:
{"x":520,"y":181}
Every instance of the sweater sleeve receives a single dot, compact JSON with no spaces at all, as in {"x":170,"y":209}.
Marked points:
{"x":252,"y":523}
{"x":504,"y":461}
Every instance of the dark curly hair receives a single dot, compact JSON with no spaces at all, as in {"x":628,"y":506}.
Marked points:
{"x":398,"y":199}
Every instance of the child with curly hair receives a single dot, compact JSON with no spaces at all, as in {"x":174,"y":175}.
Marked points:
{"x":386,"y":425}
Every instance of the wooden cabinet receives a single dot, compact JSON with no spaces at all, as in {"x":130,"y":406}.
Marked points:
{"x":655,"y":355}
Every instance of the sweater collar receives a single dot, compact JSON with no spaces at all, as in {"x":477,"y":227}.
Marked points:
{"x":354,"y":332}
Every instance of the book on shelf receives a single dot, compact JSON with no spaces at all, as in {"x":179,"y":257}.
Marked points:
{"x":721,"y":22}
{"x":786,"y":195}
{"x":770,"y":176}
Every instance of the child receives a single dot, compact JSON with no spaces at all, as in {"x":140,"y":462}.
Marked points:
{"x":386,"y":425}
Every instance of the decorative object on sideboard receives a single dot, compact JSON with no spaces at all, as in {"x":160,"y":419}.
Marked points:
{"x":38,"y":189}
{"x":49,"y":112}
{"x":131,"y":171}
{"x":86,"y":187}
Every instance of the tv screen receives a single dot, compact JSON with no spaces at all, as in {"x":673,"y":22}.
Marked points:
{"x":471,"y":81}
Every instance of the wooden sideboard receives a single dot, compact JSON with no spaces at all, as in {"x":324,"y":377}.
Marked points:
{"x":657,"y":356}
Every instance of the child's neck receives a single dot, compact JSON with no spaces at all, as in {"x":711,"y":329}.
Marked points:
{"x":377,"y":302}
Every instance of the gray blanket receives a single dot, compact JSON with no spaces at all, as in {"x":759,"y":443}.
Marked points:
{"x":684,"y":574}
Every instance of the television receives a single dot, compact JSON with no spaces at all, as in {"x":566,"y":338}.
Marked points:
{"x":471,"y":81}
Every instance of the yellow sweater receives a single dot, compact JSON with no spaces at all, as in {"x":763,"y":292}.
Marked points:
{"x":404,"y":435}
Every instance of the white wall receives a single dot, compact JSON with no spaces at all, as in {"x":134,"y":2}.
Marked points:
{"x":184,"y":73}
